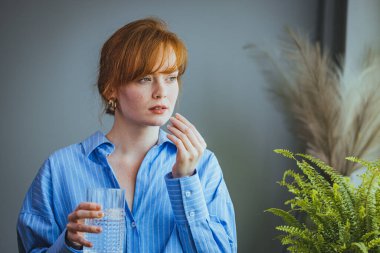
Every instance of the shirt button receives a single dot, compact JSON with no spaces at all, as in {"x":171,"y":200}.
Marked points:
{"x":133,"y":224}
{"x":187,"y":193}
{"x":191,"y":214}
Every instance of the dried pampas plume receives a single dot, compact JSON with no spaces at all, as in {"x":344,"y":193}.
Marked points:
{"x":334,"y":116}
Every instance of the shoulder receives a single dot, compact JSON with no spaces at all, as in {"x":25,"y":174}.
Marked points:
{"x":75,"y":156}
{"x":68,"y":159}
{"x":66,"y":154}
{"x":80,"y":150}
{"x":57,"y":164}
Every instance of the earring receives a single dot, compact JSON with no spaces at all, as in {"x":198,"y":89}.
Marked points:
{"x":111,"y":105}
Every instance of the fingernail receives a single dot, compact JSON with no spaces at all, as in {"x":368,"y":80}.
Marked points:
{"x":99,"y":229}
{"x":100,"y":214}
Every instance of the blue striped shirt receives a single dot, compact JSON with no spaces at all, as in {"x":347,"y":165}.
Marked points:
{"x":189,"y":214}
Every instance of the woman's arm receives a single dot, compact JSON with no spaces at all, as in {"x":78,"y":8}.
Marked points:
{"x":37,"y":229}
{"x":200,"y":200}
{"x":203,"y":209}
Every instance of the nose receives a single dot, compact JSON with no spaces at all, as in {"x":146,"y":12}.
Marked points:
{"x":159,"y":89}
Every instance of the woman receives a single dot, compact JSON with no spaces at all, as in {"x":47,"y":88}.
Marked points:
{"x":177,"y":200}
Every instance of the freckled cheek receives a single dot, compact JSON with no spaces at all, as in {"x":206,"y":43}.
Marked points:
{"x":136,"y":97}
{"x":173,"y":99}
{"x":134,"y":100}
{"x":173,"y":95}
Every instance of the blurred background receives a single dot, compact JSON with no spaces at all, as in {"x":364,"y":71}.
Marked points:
{"x":49,"y":53}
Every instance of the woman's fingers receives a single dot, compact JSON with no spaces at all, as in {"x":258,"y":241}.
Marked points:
{"x":77,"y":238}
{"x":178,"y":169}
{"x":181,"y":130}
{"x":76,"y":226}
{"x":189,"y":145}
{"x":84,"y":214}
{"x":180,"y":147}
{"x":88,"y":206}
{"x":192,"y":127}
{"x":79,"y":227}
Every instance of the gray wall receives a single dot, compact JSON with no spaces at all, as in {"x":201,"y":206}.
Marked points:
{"x":363,"y":31}
{"x":49,"y":52}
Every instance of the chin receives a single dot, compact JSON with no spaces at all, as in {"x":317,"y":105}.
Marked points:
{"x":157,"y":122}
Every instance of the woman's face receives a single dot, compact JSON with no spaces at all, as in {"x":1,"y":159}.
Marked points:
{"x":149,"y":101}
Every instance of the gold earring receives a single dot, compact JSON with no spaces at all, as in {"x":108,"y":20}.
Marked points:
{"x":111,"y":105}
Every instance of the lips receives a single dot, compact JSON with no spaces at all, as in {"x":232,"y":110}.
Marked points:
{"x":158,"y":107}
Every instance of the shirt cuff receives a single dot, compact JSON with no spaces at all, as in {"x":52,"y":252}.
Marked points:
{"x":61,"y":246}
{"x":186,"y":197}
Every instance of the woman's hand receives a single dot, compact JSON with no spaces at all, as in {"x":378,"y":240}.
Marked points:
{"x":190,"y":145}
{"x":76,"y":226}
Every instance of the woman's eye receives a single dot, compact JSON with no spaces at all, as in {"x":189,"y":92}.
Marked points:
{"x":172,"y":78}
{"x":145,"y":80}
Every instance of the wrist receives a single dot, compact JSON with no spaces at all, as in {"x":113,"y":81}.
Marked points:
{"x":175,"y":174}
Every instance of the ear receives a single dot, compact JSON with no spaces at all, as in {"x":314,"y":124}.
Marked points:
{"x":112,"y":93}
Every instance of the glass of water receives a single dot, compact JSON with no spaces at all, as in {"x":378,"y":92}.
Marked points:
{"x":112,"y":237}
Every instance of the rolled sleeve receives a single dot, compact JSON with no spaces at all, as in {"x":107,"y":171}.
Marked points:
{"x":61,"y":246}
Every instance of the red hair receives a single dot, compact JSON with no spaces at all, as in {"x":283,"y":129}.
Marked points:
{"x":132,"y":52}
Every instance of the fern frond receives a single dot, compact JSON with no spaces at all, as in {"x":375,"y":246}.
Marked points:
{"x":367,"y":236}
{"x":288,"y":218}
{"x":285,"y":153}
{"x":359,"y":161}
{"x":374,"y":243}
{"x":339,"y":217}
{"x":371,"y":218}
{"x":318,"y":182}
{"x":295,"y":183}
{"x":345,"y":190}
{"x":360,"y":246}
{"x":301,"y":240}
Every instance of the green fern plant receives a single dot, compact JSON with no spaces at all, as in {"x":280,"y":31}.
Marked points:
{"x":339,"y":217}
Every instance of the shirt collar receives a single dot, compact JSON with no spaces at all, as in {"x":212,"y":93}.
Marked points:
{"x":162,"y":138}
{"x":99,"y":140}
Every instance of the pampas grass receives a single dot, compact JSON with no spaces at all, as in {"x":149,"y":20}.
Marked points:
{"x":334,"y":115}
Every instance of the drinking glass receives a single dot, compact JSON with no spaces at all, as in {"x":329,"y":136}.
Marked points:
{"x":112,"y":237}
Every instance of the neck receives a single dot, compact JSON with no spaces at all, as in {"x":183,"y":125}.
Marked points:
{"x":130,"y":139}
